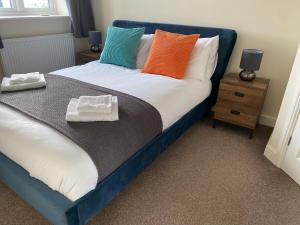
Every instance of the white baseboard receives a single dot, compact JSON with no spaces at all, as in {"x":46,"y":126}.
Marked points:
{"x":271,"y":154}
{"x":267,"y":120}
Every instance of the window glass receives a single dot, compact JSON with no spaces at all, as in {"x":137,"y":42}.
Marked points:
{"x":5,"y":4}
{"x":38,"y":4}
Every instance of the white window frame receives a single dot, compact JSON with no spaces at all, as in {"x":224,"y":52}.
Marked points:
{"x":18,"y":9}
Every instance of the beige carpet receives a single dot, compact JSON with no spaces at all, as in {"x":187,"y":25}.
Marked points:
{"x":208,"y":177}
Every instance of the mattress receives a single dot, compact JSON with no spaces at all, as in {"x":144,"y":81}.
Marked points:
{"x":61,"y":164}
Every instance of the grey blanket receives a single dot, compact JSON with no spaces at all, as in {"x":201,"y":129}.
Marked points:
{"x":109,"y":144}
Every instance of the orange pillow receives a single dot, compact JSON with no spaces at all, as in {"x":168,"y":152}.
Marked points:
{"x":170,"y":54}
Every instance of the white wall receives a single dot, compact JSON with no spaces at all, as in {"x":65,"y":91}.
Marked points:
{"x":271,"y":25}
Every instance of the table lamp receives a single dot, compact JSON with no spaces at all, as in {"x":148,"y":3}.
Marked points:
{"x":250,"y":62}
{"x":95,"y":39}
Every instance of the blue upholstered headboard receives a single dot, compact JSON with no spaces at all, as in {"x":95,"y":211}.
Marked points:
{"x":226,"y":44}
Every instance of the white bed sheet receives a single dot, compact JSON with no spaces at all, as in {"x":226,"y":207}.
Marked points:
{"x":60,"y":163}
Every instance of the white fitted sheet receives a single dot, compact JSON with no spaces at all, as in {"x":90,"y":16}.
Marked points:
{"x":60,"y":163}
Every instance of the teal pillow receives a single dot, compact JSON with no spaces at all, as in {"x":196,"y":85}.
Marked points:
{"x":121,"y":46}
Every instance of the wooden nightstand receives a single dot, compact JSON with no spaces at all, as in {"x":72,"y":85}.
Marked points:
{"x":87,"y":56}
{"x":240,"y":102}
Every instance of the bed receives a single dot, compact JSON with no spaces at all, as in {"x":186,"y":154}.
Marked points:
{"x":80,"y":207}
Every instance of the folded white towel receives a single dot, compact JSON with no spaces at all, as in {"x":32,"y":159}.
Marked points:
{"x":100,"y":104}
{"x":25,"y":78}
{"x":73,"y":115}
{"x":7,"y":86}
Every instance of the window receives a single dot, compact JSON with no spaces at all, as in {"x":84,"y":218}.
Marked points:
{"x":26,"y":7}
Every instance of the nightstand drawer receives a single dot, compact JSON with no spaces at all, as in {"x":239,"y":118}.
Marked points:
{"x":236,"y":106}
{"x":236,"y":117}
{"x":247,"y":96}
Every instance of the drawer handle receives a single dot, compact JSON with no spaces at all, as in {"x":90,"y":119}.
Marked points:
{"x":239,"y":94}
{"x":234,"y":112}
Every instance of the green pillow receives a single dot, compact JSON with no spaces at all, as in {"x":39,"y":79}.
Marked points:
{"x":121,"y":46}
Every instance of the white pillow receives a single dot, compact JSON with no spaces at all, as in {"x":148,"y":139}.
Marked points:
{"x":204,"y":59}
{"x":144,"y":50}
{"x":213,"y":59}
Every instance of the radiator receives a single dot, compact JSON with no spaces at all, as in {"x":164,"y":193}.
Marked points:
{"x":38,"y":54}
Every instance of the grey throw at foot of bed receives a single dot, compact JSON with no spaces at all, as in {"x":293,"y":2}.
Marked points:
{"x":109,"y":144}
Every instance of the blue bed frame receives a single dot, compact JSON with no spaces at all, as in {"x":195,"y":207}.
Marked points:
{"x":60,"y":210}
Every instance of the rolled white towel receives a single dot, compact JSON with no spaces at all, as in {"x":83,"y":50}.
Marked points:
{"x":73,"y":115}
{"x":25,"y":78}
{"x":100,"y":104}
{"x":7,"y":86}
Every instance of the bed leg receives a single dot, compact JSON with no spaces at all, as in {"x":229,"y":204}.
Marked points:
{"x":251,"y":134}
{"x":214,"y":124}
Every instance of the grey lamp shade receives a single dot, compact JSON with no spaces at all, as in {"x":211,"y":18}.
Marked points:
{"x":95,"y":37}
{"x":1,"y":43}
{"x":251,"y":59}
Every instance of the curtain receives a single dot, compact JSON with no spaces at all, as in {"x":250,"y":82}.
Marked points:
{"x":1,"y":43}
{"x":81,"y":15}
